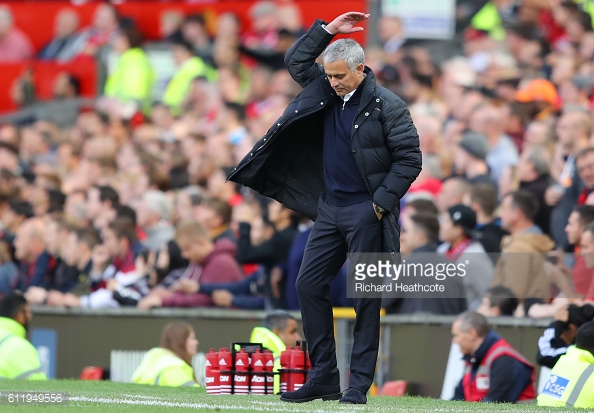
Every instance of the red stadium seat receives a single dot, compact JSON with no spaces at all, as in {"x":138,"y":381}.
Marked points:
{"x":36,"y":19}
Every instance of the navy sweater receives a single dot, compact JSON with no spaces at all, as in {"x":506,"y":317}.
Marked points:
{"x":344,"y":185}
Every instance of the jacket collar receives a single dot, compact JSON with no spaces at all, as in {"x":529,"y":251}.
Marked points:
{"x":580,"y":354}
{"x":367,"y":87}
{"x":491,"y":338}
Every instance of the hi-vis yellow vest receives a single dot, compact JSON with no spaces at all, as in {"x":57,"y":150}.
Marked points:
{"x":178,"y":87}
{"x":488,"y":19}
{"x":162,"y":367}
{"x":273,"y":343}
{"x":132,"y":79}
{"x":18,"y":357}
{"x":571,"y":383}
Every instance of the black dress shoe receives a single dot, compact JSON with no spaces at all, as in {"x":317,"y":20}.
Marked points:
{"x":353,"y":396}
{"x":311,"y":391}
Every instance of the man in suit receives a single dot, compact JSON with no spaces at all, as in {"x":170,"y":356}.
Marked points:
{"x":344,"y":153}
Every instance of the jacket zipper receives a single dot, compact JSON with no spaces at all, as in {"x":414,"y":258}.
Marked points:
{"x":266,"y":140}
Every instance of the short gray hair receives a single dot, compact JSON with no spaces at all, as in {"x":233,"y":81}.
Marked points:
{"x":195,"y":193}
{"x":538,"y":158}
{"x":471,"y":320}
{"x":345,"y":49}
{"x":157,"y":201}
{"x":277,"y":319}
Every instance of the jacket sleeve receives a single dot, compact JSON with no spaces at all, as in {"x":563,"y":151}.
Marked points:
{"x":188,"y":300}
{"x":248,"y":302}
{"x":301,"y":58}
{"x":237,"y":288}
{"x":550,"y":345}
{"x":403,"y":143}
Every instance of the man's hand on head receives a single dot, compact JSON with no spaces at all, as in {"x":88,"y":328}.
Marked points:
{"x":346,"y":23}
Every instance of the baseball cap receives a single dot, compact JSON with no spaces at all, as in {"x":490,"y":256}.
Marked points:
{"x":464,"y":217}
{"x":475,"y":144}
{"x":538,"y":90}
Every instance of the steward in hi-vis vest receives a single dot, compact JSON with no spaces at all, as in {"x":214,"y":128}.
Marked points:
{"x":18,"y":357}
{"x":571,"y":382}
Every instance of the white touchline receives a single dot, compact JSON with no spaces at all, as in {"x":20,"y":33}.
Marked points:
{"x":163,"y":403}
{"x":142,"y":400}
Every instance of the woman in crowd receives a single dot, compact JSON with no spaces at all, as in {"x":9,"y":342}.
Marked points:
{"x":170,"y":364}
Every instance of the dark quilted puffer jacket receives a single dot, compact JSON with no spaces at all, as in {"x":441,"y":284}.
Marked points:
{"x":286,"y":164}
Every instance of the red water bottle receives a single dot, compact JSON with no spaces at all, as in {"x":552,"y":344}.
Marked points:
{"x":225,"y":369}
{"x":240,"y":380}
{"x":213,"y":375}
{"x":297,"y":375}
{"x":270,"y":378}
{"x":285,"y":361}
{"x":258,"y":381}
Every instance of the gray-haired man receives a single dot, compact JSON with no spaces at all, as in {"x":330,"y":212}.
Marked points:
{"x":343,"y":153}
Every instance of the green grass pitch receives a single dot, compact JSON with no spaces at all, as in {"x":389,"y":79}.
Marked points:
{"x":108,"y":397}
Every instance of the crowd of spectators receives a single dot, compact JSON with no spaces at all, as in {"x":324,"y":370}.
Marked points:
{"x":128,"y":205}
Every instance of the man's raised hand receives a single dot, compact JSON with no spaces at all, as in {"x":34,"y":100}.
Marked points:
{"x":346,"y":23}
